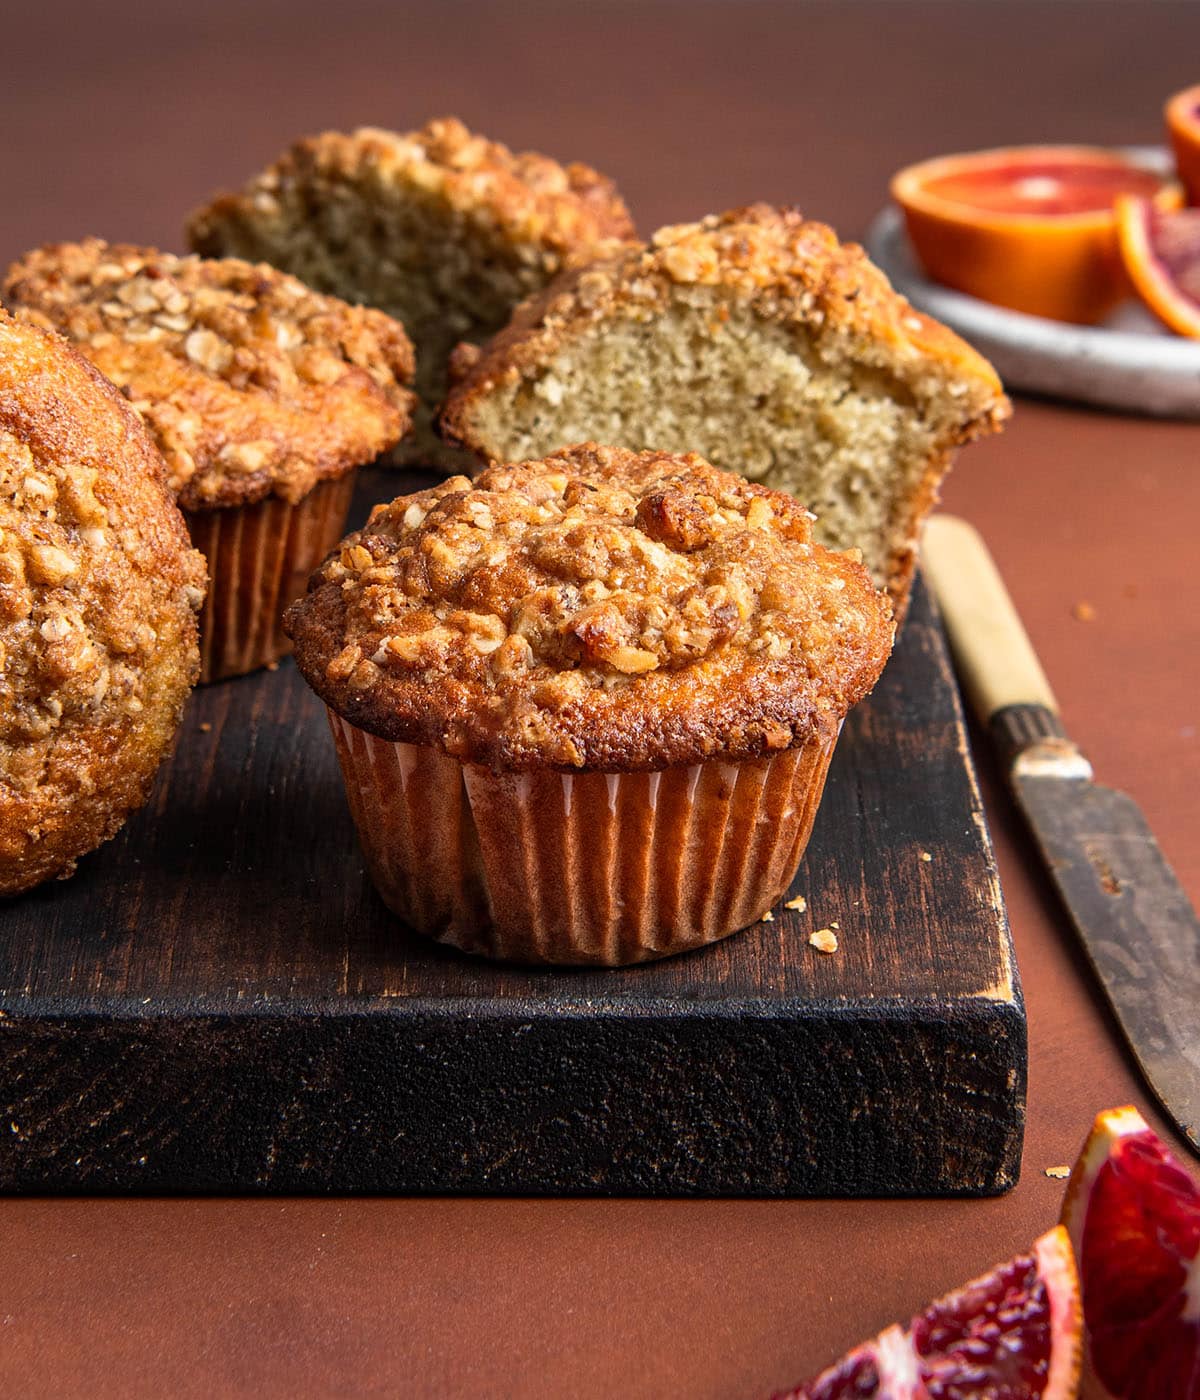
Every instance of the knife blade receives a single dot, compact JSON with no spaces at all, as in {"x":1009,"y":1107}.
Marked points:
{"x":1136,"y":923}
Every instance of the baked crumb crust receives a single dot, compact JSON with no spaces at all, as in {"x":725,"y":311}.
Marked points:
{"x":601,"y":609}
{"x":533,"y":198}
{"x":99,"y":591}
{"x":792,"y":269}
{"x":251,"y":384}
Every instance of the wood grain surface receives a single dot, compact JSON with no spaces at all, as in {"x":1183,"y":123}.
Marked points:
{"x":220,"y":1001}
{"x":117,"y":119}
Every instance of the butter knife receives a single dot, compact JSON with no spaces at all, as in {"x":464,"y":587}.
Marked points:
{"x":1136,"y":924}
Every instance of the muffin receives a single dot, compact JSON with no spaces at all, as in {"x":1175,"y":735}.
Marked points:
{"x":584,"y":707}
{"x":759,"y":340}
{"x":99,"y":591}
{"x":262,"y":395}
{"x":440,"y":228}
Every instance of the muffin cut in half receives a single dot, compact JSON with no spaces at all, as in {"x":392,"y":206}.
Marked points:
{"x":759,"y":340}
{"x":262,"y":395}
{"x":585,"y":706}
{"x":440,"y":228}
{"x":99,"y":591}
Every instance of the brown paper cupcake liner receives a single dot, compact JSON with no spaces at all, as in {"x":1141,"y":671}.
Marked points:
{"x":593,"y":868}
{"x":259,"y":560}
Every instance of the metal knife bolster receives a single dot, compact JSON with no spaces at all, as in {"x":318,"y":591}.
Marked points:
{"x":1031,"y":740}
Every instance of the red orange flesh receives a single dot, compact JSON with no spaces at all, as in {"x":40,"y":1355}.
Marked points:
{"x":1013,"y":1334}
{"x":1043,"y":187}
{"x":1134,"y":1218}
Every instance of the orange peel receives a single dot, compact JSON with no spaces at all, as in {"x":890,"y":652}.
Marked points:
{"x":1161,"y":253}
{"x":1183,"y":125}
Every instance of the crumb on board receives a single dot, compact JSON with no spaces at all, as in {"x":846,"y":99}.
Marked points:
{"x":1058,"y":1173}
{"x":799,"y":904}
{"x":767,"y":918}
{"x":824,"y":940}
{"x":272,"y":665}
{"x":926,"y":856}
{"x":205,"y":728}
{"x":1083,"y":611}
{"x":833,"y":923}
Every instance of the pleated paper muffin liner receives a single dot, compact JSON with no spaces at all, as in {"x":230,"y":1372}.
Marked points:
{"x":259,"y":560}
{"x":588,"y":868}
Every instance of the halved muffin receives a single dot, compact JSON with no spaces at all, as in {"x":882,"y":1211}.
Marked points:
{"x":760,"y":341}
{"x":262,"y":395}
{"x":440,"y":228}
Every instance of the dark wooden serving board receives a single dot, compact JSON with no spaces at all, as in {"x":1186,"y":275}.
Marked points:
{"x":218,"y":1001}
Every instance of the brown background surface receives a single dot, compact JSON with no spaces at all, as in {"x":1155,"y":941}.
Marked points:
{"x":116,"y":119}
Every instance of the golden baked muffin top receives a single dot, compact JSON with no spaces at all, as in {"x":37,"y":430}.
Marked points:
{"x":531,"y":197}
{"x":251,"y":384}
{"x":793,"y":270}
{"x":600,"y":609}
{"x":99,"y":590}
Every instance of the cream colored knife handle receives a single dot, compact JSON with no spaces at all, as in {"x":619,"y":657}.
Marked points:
{"x":995,"y":658}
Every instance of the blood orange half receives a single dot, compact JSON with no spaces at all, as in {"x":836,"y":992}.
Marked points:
{"x":1134,"y":1218}
{"x":1183,"y":123}
{"x":1029,"y":227}
{"x":1161,"y":252}
{"x":1013,"y":1334}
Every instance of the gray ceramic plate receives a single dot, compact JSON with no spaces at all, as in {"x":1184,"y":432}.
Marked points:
{"x":1130,"y":362}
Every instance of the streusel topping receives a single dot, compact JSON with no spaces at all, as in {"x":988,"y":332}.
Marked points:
{"x":531,"y":196}
{"x":250,"y":383}
{"x":600,"y":608}
{"x":792,"y":269}
{"x":98,"y":595}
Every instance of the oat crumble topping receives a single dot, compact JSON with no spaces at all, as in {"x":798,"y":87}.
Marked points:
{"x":98,"y":595}
{"x":250,"y":383}
{"x":495,"y":617}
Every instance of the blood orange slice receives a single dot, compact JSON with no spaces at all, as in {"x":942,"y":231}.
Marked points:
{"x":1013,"y":1334}
{"x":1134,"y":1218}
{"x":1028,"y":227}
{"x":1161,"y":252}
{"x":1183,"y":123}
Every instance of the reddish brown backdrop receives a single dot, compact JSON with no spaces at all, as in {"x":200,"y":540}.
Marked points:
{"x":116,"y":119}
